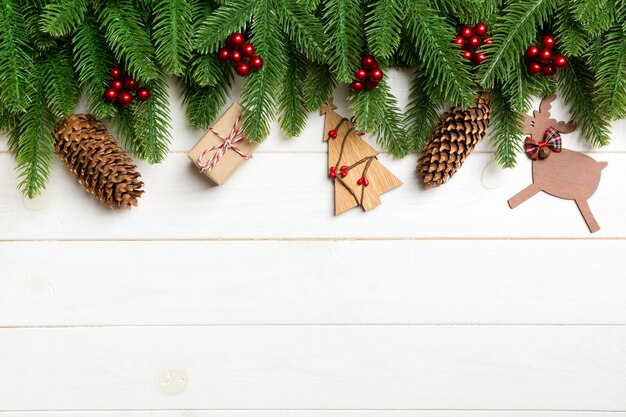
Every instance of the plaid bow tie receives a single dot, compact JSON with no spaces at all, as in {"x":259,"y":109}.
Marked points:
{"x":551,"y":140}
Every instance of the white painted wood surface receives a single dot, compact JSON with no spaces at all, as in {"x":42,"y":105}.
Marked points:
{"x":252,"y":300}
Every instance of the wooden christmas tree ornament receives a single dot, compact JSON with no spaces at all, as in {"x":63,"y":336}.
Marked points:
{"x":100,"y":165}
{"x":359,"y":177}
{"x":559,"y":172}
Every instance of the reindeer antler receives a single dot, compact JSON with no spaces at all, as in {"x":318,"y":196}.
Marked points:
{"x":540,"y":121}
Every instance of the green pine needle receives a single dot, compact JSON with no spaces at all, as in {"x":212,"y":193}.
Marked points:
{"x":595,"y":16}
{"x":368,"y":108}
{"x":173,"y":34}
{"x":60,"y":85}
{"x":391,"y":133}
{"x":206,"y":70}
{"x":32,"y":11}
{"x":610,"y":68}
{"x":383,"y":24}
{"x":293,"y":113}
{"x":318,"y":86}
{"x":507,"y":128}
{"x":302,"y":28}
{"x":344,"y":39}
{"x":204,"y":103}
{"x":231,"y":17}
{"x":422,"y":113}
{"x":572,"y":39}
{"x":61,"y":17}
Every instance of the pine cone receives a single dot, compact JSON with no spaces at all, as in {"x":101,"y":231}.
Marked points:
{"x":97,"y":161}
{"x":455,"y":136}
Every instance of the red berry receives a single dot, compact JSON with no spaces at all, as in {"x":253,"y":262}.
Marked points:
{"x":371,"y":84}
{"x":534,"y":68}
{"x":359,"y":181}
{"x":344,"y":168}
{"x":467,"y":55}
{"x":360,"y":74}
{"x":548,"y":42}
{"x":110,"y":95}
{"x":549,"y":70}
{"x":344,"y":174}
{"x":242,"y":69}
{"x":356,"y":86}
{"x":235,"y":57}
{"x":480,"y":29}
{"x":375,"y":74}
{"x":256,"y":63}
{"x":479,"y":58}
{"x":142,"y":94}
{"x":369,"y":62}
{"x":466,"y":32}
{"x":247,"y":50}
{"x":116,"y":73}
{"x":559,"y":61}
{"x":130,"y":83}
{"x":235,"y":40}
{"x":532,"y":51}
{"x":474,"y":42}
{"x":487,"y":40}
{"x":545,"y":55}
{"x":332,"y":134}
{"x":460,"y":40}
{"x":223,"y":54}
{"x":117,"y":84}
{"x":366,"y":181}
{"x":125,"y":98}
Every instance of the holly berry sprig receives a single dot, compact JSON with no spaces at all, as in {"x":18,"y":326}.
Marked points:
{"x":119,"y":90}
{"x":542,"y":60}
{"x":367,"y":76}
{"x":470,"y":39}
{"x":240,"y":54}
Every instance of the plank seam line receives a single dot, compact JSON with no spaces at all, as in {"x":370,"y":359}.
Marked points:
{"x":265,"y":325}
{"x":518,"y":410}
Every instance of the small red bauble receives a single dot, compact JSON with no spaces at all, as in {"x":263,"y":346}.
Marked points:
{"x":332,"y":134}
{"x":460,"y":40}
{"x":532,"y":51}
{"x":117,"y":84}
{"x":479,"y":57}
{"x":375,"y":74}
{"x":467,"y":55}
{"x":247,"y":50}
{"x":235,"y":40}
{"x":130,"y":83}
{"x":125,"y":98}
{"x":256,"y":63}
{"x":223,"y":55}
{"x":466,"y":32}
{"x":110,"y":95}
{"x":480,"y":29}
{"x":360,"y":74}
{"x":142,"y":94}
{"x":116,"y":73}
{"x":371,"y":84}
{"x":235,"y":57}
{"x":366,"y":181}
{"x":549,"y":70}
{"x":548,"y":42}
{"x":369,"y":62}
{"x":356,"y":86}
{"x":474,"y":42}
{"x":359,"y":181}
{"x":344,"y":174}
{"x":545,"y":55}
{"x":559,"y":61}
{"x":344,"y":168}
{"x":487,"y":40}
{"x":242,"y":69}
{"x":534,"y":68}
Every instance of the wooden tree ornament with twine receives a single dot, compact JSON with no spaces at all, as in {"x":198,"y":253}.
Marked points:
{"x":359,"y":177}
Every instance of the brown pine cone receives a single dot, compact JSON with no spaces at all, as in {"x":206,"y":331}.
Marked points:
{"x":454,"y":138}
{"x":100,"y":165}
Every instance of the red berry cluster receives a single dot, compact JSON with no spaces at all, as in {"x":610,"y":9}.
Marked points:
{"x":120,"y":89}
{"x":368,"y":76}
{"x":542,"y":61}
{"x":470,"y":39}
{"x":240,"y":54}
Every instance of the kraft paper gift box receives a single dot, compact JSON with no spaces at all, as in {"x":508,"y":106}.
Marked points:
{"x":218,"y":157}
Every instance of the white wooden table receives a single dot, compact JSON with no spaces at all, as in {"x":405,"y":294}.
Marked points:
{"x":252,"y":300}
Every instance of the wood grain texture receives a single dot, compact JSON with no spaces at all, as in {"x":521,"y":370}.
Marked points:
{"x":315,"y":367}
{"x":275,"y":282}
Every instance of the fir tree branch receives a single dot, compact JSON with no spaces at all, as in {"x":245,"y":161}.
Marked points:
{"x":422,"y":113}
{"x":172,"y":34}
{"x":368,"y":108}
{"x":92,"y":61}
{"x":576,"y":83}
{"x":383,"y":24}
{"x":507,"y":128}
{"x":61,"y":17}
{"x":318,"y":86}
{"x":204,"y":103}
{"x":60,"y":85}
{"x":231,"y":17}
{"x":342,"y":23}
{"x":32,"y":10}
{"x":391,"y":134}
{"x":302,"y":28}
{"x":128,"y":38}
{"x":514,"y":31}
{"x":310,"y":5}
{"x":447,"y":75}
{"x":610,"y":68}
{"x":520,"y":88}
{"x":15,"y":58}
{"x":206,"y":70}
{"x":469,"y":12}
{"x":595,"y":16}
{"x":293,"y":114}
{"x":573,"y":41}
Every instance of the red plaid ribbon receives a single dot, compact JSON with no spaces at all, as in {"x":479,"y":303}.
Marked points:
{"x":229,"y":142}
{"x":551,"y":140}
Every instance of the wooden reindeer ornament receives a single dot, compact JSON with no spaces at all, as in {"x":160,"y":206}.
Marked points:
{"x":559,"y":172}
{"x":358,"y":175}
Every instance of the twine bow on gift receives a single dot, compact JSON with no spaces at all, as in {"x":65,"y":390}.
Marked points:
{"x":235,"y":136}
{"x":541,"y":150}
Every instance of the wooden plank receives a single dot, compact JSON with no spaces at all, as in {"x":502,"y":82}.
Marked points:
{"x":314,"y":413}
{"x":284,"y":282}
{"x":315,"y":367}
{"x":290,"y":196}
